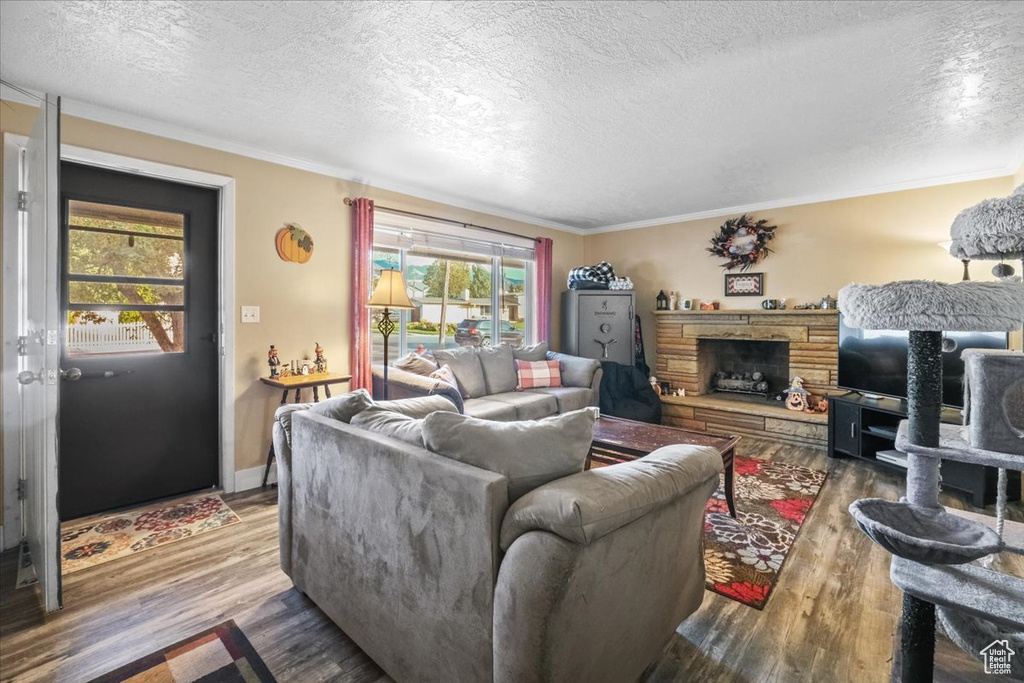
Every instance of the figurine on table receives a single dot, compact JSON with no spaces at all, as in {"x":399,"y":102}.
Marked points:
{"x":320,"y":362}
{"x":274,"y":362}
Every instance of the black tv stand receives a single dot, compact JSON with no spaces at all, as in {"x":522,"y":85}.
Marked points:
{"x":862,"y":428}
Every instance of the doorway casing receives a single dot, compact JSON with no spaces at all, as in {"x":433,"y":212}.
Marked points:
{"x":11,"y":521}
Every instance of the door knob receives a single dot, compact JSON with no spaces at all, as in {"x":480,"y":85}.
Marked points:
{"x":71,"y":375}
{"x":27,"y":377}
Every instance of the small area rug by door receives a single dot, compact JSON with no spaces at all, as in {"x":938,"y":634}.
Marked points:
{"x":221,"y":654}
{"x":743,"y":556}
{"x":94,"y":540}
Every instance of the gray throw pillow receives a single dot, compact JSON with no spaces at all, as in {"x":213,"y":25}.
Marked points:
{"x":419,"y":406}
{"x":465,"y":365}
{"x":416,"y":364}
{"x":395,"y":425}
{"x":538,"y":351}
{"x":499,"y":369}
{"x":529,"y":453}
{"x":344,"y":408}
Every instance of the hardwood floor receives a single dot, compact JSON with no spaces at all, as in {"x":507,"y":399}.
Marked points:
{"x":830,"y":618}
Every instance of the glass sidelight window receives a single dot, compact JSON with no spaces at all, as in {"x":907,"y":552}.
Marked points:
{"x":125,"y":280}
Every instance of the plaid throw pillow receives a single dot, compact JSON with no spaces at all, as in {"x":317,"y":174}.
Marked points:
{"x":540,"y":373}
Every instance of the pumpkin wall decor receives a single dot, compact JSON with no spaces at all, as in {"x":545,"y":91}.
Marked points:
{"x":293,"y":243}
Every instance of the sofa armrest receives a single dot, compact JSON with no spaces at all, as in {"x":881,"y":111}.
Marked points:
{"x":282,"y":444}
{"x":576,"y":370}
{"x":595,"y":388}
{"x":405,"y":384}
{"x":584,"y":507}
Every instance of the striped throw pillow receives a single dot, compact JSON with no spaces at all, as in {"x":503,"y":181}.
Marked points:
{"x":541,"y":373}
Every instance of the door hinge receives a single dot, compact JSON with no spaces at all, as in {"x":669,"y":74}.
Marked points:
{"x":22,"y":200}
{"x":22,"y":489}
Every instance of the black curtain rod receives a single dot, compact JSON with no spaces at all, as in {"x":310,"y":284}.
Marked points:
{"x":349,"y":201}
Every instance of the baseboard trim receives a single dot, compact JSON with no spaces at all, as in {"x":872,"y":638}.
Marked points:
{"x":252,"y":478}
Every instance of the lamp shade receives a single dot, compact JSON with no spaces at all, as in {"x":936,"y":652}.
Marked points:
{"x":390,"y":291}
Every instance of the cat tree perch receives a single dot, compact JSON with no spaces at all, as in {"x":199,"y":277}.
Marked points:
{"x":933,"y":545}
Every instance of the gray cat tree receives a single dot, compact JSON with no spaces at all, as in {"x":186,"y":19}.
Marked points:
{"x":933,"y":546}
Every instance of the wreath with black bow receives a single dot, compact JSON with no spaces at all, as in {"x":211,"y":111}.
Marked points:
{"x":742,"y":241}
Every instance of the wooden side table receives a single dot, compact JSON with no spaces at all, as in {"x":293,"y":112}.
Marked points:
{"x":298,"y":383}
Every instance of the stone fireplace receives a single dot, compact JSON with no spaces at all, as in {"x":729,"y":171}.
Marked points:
{"x":693,"y":345}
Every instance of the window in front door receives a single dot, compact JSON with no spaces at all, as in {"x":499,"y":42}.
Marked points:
{"x":125,"y":280}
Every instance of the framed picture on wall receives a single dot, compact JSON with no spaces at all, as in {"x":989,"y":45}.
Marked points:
{"x":744,"y":284}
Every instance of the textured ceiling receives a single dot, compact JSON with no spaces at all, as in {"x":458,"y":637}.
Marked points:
{"x":586,"y":114}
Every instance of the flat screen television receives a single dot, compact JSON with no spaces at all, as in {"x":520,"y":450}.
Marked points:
{"x":874,"y":362}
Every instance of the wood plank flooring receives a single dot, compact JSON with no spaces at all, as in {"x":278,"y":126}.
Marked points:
{"x":830,"y":618}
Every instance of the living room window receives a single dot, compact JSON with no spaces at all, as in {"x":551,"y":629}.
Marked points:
{"x":468,"y":288}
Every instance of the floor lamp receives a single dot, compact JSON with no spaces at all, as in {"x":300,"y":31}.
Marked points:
{"x":389,"y":294}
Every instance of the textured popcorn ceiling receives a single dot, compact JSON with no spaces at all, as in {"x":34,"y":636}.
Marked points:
{"x":587,"y":114}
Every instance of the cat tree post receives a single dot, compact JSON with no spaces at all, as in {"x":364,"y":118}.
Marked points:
{"x":924,"y":407}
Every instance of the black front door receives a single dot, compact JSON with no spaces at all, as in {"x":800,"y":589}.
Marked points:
{"x":139,"y":287}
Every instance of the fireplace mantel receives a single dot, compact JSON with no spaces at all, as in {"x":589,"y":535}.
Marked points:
{"x":812,"y":337}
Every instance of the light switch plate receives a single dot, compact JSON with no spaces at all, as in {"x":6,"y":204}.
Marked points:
{"x":250,"y":314}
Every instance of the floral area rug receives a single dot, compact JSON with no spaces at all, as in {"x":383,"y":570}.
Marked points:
{"x":743,"y":556}
{"x":94,"y":540}
{"x":221,"y":654}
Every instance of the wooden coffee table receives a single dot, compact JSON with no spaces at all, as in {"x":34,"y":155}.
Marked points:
{"x":617,"y":438}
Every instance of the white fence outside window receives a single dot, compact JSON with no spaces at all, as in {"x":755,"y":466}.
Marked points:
{"x":110,"y":337}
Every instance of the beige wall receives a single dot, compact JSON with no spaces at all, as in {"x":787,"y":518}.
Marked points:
{"x":818,"y":249}
{"x":299,"y":304}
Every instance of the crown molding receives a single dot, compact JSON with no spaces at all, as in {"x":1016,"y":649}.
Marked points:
{"x":812,"y":199}
{"x":112,"y":117}
{"x":140,"y":124}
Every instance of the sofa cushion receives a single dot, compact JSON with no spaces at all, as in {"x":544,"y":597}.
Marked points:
{"x":576,"y":371}
{"x":568,"y":398}
{"x":538,"y":373}
{"x":589,"y":505}
{"x":538,"y":351}
{"x":465,"y":364}
{"x":499,"y":368}
{"x":383,"y":421}
{"x":416,"y":364}
{"x":486,"y":409}
{"x":417,"y":407}
{"x":344,"y":408}
{"x":529,"y":406}
{"x":528,"y":453}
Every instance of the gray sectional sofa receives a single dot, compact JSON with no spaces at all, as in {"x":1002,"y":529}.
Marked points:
{"x":426,"y":564}
{"x":487,"y":381}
